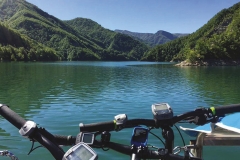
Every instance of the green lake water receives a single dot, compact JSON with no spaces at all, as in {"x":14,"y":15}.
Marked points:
{"x":58,"y":96}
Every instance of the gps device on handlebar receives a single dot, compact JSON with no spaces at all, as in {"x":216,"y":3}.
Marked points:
{"x":87,"y":138}
{"x":139,"y":137}
{"x":80,"y":151}
{"x":162,"y":111}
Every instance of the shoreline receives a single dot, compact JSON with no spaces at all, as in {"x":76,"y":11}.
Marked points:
{"x":210,"y":63}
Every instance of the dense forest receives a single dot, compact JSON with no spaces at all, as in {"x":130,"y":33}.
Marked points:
{"x":219,"y":39}
{"x":109,"y":40}
{"x":29,"y":34}
{"x":65,"y":38}
{"x":17,"y":47}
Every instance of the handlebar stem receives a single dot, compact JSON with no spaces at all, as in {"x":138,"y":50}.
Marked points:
{"x":138,"y":152}
{"x":168,"y":135}
{"x":105,"y":138}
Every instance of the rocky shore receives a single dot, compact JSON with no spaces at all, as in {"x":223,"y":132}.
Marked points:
{"x":210,"y":63}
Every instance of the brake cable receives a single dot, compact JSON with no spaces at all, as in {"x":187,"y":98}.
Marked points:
{"x":32,"y":149}
{"x":180,"y":134}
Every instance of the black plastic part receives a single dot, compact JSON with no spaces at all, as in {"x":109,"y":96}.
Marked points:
{"x":93,"y":127}
{"x":110,"y":126}
{"x":65,"y":140}
{"x":136,"y":122}
{"x":200,"y":120}
{"x":11,"y":116}
{"x":168,"y":135}
{"x":105,"y":138}
{"x":222,"y":110}
{"x":56,"y":151}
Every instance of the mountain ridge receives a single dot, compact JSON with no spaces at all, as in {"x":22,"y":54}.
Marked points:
{"x":69,"y":43}
{"x":84,"y":39}
{"x":217,"y":40}
{"x":152,"y":39}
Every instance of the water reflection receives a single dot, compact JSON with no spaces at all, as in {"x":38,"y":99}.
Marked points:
{"x":218,"y":85}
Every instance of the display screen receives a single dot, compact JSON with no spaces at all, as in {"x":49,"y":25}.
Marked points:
{"x":87,"y":138}
{"x":161,"y":106}
{"x":81,"y":153}
{"x":140,"y":135}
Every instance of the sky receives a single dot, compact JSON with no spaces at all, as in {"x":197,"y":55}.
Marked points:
{"x":144,"y":16}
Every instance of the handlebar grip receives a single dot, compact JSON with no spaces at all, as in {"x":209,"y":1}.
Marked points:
{"x":93,"y":127}
{"x":221,"y":110}
{"x":11,"y":116}
{"x":65,"y":140}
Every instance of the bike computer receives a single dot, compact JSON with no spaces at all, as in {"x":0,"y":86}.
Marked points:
{"x":87,"y":138}
{"x":80,"y":151}
{"x":162,"y":111}
{"x":139,"y":137}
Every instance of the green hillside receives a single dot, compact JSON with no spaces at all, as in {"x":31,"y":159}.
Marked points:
{"x":37,"y":33}
{"x":65,"y":39}
{"x":17,"y":47}
{"x":216,"y":40}
{"x":108,"y":39}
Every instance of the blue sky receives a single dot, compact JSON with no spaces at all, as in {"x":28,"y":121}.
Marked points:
{"x":145,"y":16}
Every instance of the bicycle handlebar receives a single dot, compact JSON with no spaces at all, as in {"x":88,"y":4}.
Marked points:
{"x":57,"y":152}
{"x":102,"y":126}
{"x":111,"y":125}
{"x":65,"y":140}
{"x":221,"y":110}
{"x":11,"y":116}
{"x":19,"y":122}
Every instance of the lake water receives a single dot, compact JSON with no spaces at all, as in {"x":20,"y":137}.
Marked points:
{"x":58,"y":96}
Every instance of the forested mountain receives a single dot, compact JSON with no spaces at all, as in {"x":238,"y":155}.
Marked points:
{"x":218,"y":39}
{"x":108,"y":39}
{"x":28,"y":33}
{"x":67,"y":39}
{"x":152,"y":39}
{"x":17,"y":47}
